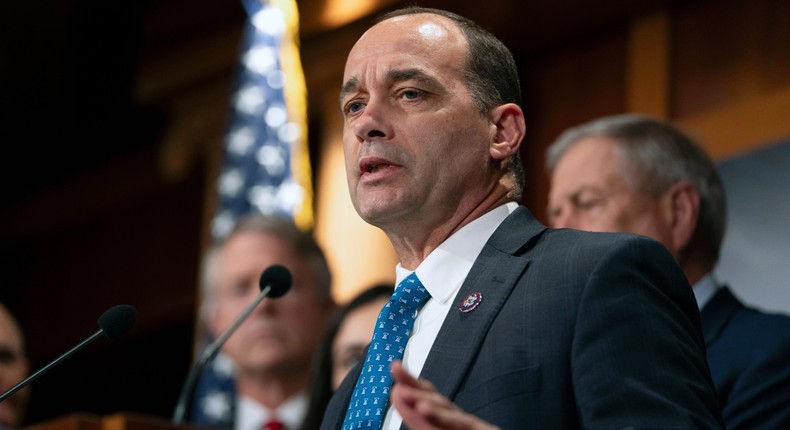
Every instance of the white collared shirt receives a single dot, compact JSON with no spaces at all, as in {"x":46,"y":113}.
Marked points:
{"x":251,"y":415}
{"x":704,"y":290}
{"x":442,"y":274}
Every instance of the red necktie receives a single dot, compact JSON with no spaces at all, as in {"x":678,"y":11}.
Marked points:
{"x":273,"y":424}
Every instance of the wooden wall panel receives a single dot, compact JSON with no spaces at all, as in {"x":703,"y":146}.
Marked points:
{"x":731,"y":73}
{"x":728,"y":51}
{"x":565,"y":88}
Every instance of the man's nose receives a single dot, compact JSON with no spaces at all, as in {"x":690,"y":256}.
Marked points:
{"x":372,"y":123}
{"x":564,"y":218}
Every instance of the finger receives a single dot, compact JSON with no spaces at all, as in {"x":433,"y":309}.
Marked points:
{"x":406,"y":403}
{"x":401,"y":376}
{"x":423,"y":408}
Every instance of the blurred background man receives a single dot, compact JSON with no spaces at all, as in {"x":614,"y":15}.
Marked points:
{"x":635,"y":174}
{"x":13,"y":368}
{"x":269,"y":356}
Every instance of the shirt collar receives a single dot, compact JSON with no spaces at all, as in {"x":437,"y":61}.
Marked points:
{"x":446,"y":267}
{"x":704,"y":290}
{"x":252,"y":415}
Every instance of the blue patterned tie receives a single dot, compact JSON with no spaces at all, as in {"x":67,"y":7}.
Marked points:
{"x":371,"y":395}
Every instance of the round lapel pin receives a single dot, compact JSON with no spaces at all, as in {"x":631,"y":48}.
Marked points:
{"x":470,"y":302}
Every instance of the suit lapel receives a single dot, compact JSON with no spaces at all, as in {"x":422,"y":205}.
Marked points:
{"x":493,"y":275}
{"x":715,"y":315}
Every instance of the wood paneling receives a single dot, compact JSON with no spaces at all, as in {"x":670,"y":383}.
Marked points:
{"x":565,"y":88}
{"x":728,"y":51}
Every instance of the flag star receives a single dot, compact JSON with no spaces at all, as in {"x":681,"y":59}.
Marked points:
{"x":269,"y":21}
{"x":291,"y":194}
{"x":276,"y":116}
{"x":216,"y":405}
{"x":241,"y":140}
{"x":272,"y":159}
{"x":260,"y":59}
{"x":263,"y":197}
{"x":250,"y":100}
{"x":231,"y":182}
{"x":223,"y":366}
{"x":276,"y":79}
{"x":222,"y":224}
{"x":289,"y":132}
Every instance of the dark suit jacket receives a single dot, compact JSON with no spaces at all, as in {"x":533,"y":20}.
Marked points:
{"x":749,"y":358}
{"x":575,"y":330}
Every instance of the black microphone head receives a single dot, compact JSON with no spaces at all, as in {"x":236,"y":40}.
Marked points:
{"x":117,"y":320}
{"x":278,"y":278}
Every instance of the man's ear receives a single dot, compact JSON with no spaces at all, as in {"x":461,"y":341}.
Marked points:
{"x":681,"y":212}
{"x":510,"y":130}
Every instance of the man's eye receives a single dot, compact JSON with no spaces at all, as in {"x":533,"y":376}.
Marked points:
{"x":7,"y":356}
{"x":239,"y":288}
{"x":411,"y":94}
{"x":589,"y":202}
{"x":354,"y":107}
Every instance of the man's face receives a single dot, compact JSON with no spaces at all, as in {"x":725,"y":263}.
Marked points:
{"x":416,"y":146}
{"x":590,"y":191}
{"x":282,"y":333}
{"x":13,"y":368}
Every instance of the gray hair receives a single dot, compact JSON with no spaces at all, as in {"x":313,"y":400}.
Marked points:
{"x":658,"y":155}
{"x":302,"y":243}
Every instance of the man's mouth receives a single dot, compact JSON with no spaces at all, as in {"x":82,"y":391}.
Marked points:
{"x":373,"y":168}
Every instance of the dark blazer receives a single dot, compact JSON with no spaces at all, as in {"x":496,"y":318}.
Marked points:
{"x":749,"y":358}
{"x":575,"y":330}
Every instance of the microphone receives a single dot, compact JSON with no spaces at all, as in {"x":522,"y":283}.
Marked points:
{"x":113,"y":323}
{"x":274,"y":282}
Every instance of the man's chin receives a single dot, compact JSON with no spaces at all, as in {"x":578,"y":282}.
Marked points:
{"x":270,"y":362}
{"x":378,"y":215}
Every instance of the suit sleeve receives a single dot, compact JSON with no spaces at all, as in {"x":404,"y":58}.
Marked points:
{"x":759,"y":397}
{"x":638,"y":334}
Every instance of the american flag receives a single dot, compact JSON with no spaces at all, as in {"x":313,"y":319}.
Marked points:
{"x":266,"y":166}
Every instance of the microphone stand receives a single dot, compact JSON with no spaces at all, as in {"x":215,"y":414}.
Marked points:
{"x":208,"y":354}
{"x":41,"y":371}
{"x":114,"y":323}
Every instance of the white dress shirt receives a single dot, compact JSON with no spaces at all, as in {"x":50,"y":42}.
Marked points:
{"x":251,"y":415}
{"x":704,"y":290}
{"x":442,"y":274}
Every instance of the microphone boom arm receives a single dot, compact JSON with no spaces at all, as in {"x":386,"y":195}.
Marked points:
{"x":207,"y":355}
{"x":41,"y":371}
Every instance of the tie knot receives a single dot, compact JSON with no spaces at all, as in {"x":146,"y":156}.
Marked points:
{"x":410,"y":292}
{"x":273,"y":424}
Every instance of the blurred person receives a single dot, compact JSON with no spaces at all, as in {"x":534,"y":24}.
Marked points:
{"x":344,"y":344}
{"x":641,"y":175}
{"x":14,"y":367}
{"x":268,"y":358}
{"x":506,"y":323}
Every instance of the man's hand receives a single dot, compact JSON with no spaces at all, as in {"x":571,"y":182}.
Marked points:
{"x":423,"y":408}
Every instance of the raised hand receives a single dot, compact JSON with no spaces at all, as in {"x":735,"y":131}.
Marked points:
{"x":424,"y":408}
